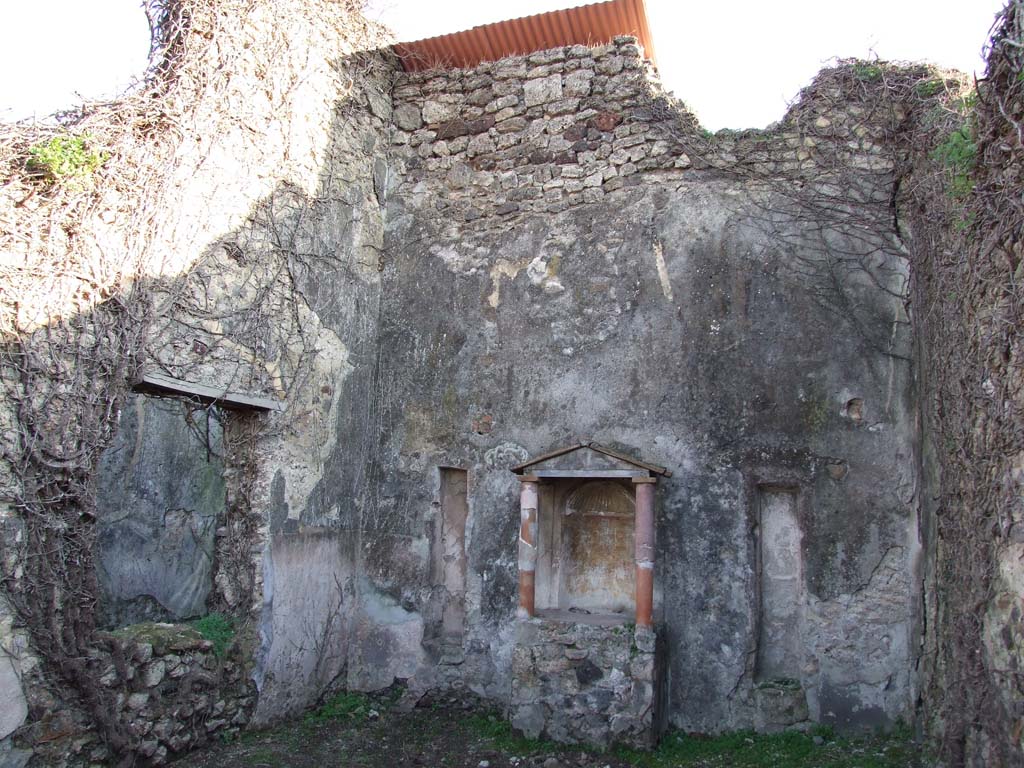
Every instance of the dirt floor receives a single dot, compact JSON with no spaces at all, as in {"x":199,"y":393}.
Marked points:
{"x":353,"y":730}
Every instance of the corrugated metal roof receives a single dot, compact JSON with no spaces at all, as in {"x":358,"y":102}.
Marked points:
{"x":592,"y":24}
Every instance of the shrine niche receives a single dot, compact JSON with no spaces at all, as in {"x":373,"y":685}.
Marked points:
{"x":586,"y":545}
{"x":581,"y":671}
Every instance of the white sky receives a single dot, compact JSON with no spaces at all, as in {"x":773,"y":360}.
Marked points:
{"x":736,"y":64}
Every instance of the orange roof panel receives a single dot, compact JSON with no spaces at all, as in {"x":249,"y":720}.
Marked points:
{"x":593,"y":24}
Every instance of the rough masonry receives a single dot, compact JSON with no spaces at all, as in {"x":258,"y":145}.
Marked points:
{"x":445,"y":273}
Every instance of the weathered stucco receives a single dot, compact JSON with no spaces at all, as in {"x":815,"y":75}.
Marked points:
{"x":160,"y":493}
{"x":456,"y":270}
{"x":586,"y":282}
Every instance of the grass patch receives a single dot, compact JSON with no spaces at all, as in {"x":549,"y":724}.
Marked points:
{"x":789,"y":749}
{"x":346,"y":705}
{"x":265,"y":757}
{"x":498,"y":732}
{"x":218,"y":629}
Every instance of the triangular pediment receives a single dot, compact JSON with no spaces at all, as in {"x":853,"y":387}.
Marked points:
{"x":588,"y":460}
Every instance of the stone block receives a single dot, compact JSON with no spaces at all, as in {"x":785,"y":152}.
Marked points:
{"x":610,"y":65}
{"x":480,"y":98}
{"x":380,"y":105}
{"x":542,"y":90}
{"x":529,"y":719}
{"x":563,"y":106}
{"x":511,"y":124}
{"x":508,"y":112}
{"x":578,"y":83}
{"x":510,"y":68}
{"x":547,"y":57}
{"x":407,"y":117}
{"x":153,"y":673}
{"x":435,"y":112}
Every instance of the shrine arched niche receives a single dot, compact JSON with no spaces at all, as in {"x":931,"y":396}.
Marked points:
{"x":586,"y":543}
{"x":586,"y":547}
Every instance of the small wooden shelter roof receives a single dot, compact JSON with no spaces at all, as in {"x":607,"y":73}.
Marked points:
{"x":156,"y":383}
{"x":652,"y":469}
{"x":593,"y":24}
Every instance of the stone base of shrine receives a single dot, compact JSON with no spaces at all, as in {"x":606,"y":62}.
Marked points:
{"x":588,"y":679}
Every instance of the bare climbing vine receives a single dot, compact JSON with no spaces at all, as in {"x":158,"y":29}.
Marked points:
{"x":907,"y":180}
{"x":829,"y":184}
{"x":967,"y":221}
{"x":84,"y":307}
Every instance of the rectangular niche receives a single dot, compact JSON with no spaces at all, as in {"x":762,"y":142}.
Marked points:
{"x":450,"y":551}
{"x":585,"y":562}
{"x":781,"y":579}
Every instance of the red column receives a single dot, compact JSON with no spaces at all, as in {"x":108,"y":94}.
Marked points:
{"x":644,"y":538}
{"x":527,"y":546}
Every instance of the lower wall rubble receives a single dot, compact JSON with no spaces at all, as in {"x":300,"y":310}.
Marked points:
{"x":580,"y":683}
{"x":175,"y":690}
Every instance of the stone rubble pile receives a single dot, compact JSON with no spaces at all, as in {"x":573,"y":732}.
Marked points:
{"x":173,"y":691}
{"x":580,"y":683}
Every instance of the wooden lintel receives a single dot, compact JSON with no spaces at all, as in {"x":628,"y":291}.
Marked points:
{"x":161,"y":384}
{"x":595,"y":473}
{"x":639,"y":480}
{"x":528,"y":478}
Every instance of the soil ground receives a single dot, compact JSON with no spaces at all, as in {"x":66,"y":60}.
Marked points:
{"x":357,"y":731}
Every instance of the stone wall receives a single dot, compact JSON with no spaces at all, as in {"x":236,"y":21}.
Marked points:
{"x":173,"y":688}
{"x":540,"y":133}
{"x":462,"y":269}
{"x":600,"y":269}
{"x":246,"y":250}
{"x":585,"y":683}
{"x":964,"y":224}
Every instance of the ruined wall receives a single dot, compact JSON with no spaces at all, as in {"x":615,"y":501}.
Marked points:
{"x":964,"y":222}
{"x":230,"y":238}
{"x":599,"y":269}
{"x":456,"y":270}
{"x":581,"y":683}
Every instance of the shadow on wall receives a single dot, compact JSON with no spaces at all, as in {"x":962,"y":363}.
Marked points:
{"x":198,"y":509}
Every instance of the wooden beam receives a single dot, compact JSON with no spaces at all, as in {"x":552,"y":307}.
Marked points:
{"x":162,"y":384}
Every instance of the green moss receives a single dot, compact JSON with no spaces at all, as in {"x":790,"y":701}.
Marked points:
{"x":65,"y":157}
{"x":450,"y":401}
{"x":218,"y":629}
{"x":815,"y":413}
{"x":780,"y":684}
{"x":867,"y":71}
{"x":348,"y":705}
{"x":958,"y":154}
